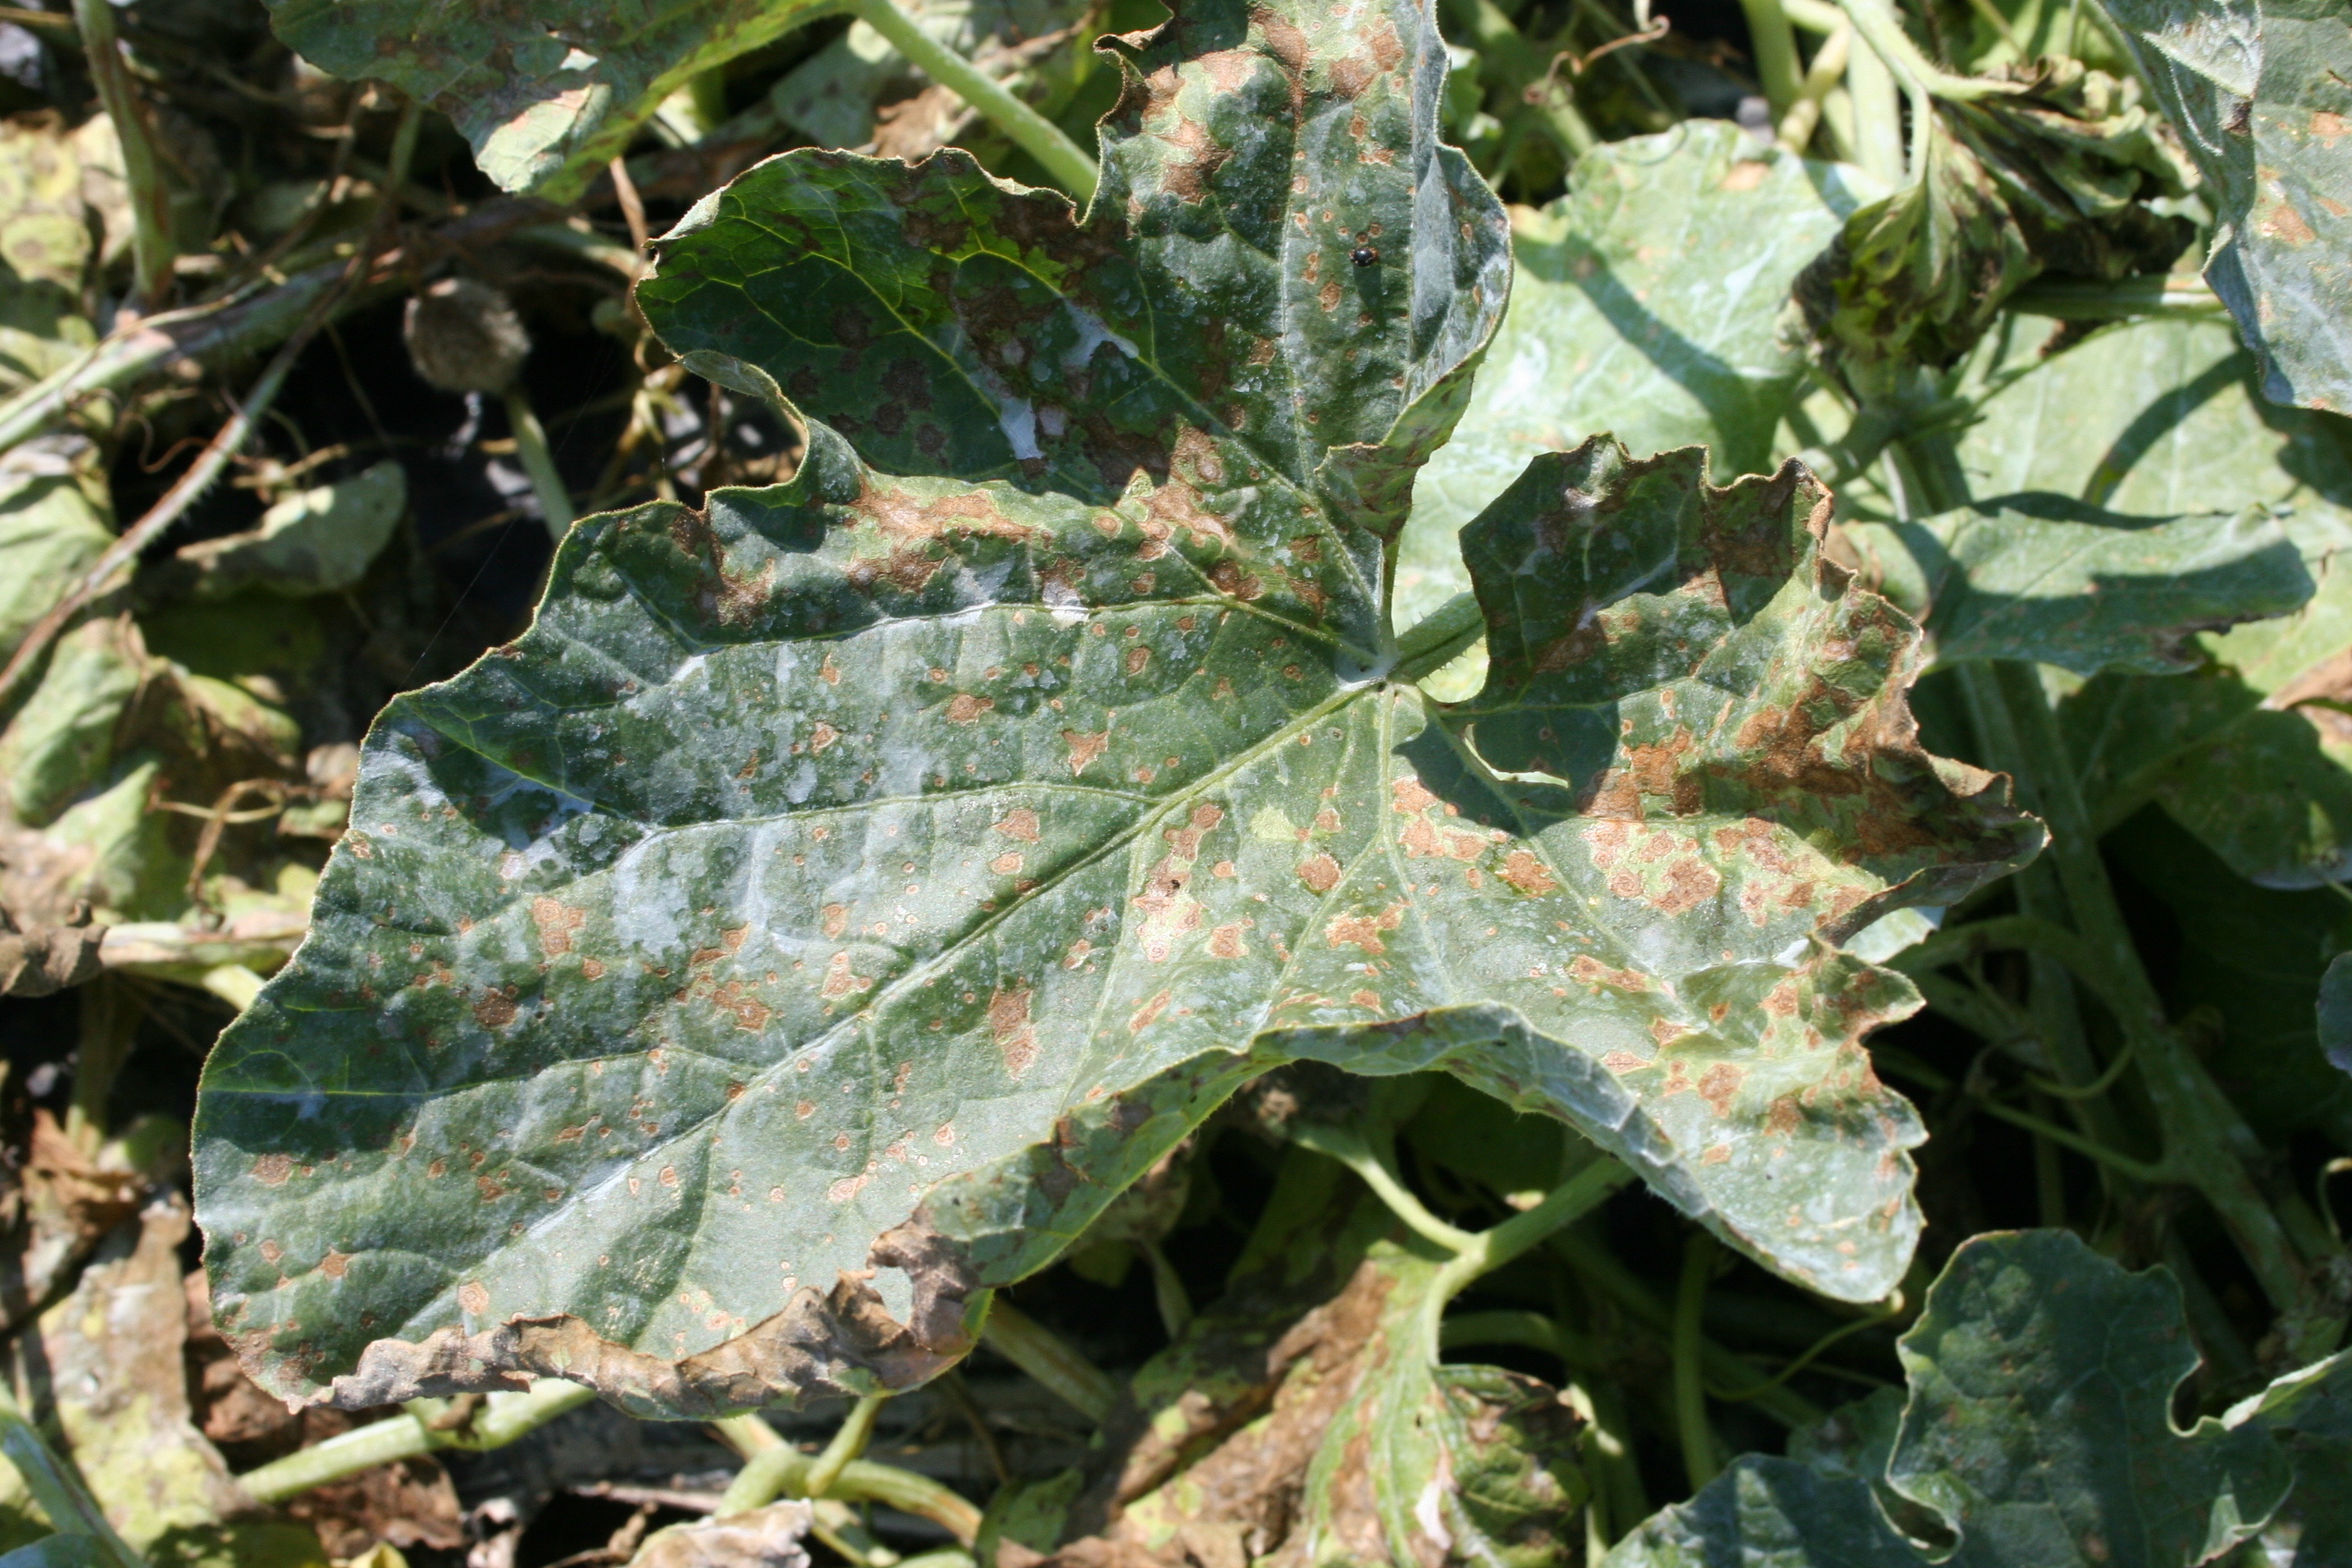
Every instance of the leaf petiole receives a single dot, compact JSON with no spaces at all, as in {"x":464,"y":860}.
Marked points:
{"x":1048,"y":1358}
{"x":1038,"y":136}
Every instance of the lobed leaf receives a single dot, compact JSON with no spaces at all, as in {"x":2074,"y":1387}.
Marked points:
{"x":546,"y":94}
{"x":2261,"y":92}
{"x":1643,"y":302}
{"x":2038,"y":1429}
{"x":880,"y":871}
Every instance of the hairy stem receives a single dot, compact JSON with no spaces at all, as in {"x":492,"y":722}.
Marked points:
{"x":849,"y":1443}
{"x":1038,"y":136}
{"x":1594,"y":1266}
{"x":1440,"y":637}
{"x":1796,"y":126}
{"x":125,"y":551}
{"x":1374,"y":1167}
{"x":1878,"y":116}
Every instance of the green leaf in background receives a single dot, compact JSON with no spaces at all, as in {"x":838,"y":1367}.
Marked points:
{"x":2336,"y":1011}
{"x":2037,"y":1427}
{"x":1643,"y":304}
{"x":2309,"y":1412}
{"x":2086,"y":593}
{"x":2261,"y":94}
{"x":318,"y":540}
{"x":883,"y":869}
{"x":547,"y":93}
{"x":2153,"y":420}
{"x":2246,"y":977}
{"x":63,"y":738}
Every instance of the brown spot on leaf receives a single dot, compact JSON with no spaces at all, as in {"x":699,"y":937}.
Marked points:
{"x":1319,"y":872}
{"x":1009,"y":1023}
{"x":1019,"y":823}
{"x":1527,"y":874}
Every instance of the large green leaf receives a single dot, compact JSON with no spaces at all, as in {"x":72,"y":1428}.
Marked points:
{"x":2261,"y":92}
{"x":2087,"y":592}
{"x":2150,"y":420}
{"x":547,"y":93}
{"x":883,"y":869}
{"x":2038,"y":1428}
{"x":1645,"y":303}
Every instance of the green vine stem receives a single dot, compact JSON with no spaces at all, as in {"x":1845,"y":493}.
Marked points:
{"x":150,"y":201}
{"x":539,"y":461}
{"x":1775,"y":45}
{"x":1795,"y":129}
{"x":1376,"y":1169}
{"x":1440,"y":637}
{"x":413,"y":1433}
{"x":1877,"y":117}
{"x":849,"y":1443}
{"x":119,"y":555}
{"x":776,"y":1467}
{"x":2206,"y":1145}
{"x":1038,"y":136}
{"x":1592,"y":1265}
{"x":58,"y":1487}
{"x":1884,"y":32}
{"x":1048,"y":1358}
{"x":1697,"y":1439}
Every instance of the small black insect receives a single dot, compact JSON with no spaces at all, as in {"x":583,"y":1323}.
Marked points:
{"x":1365,"y":256}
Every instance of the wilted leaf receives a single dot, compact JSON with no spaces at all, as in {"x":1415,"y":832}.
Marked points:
{"x":315,"y":541}
{"x":55,"y":1209}
{"x":1643,"y":304}
{"x":1304,"y":1419}
{"x":759,"y":1538}
{"x":2082,"y":590}
{"x":36,"y":960}
{"x":107,"y":1372}
{"x":2053,"y":179}
{"x":882,"y":872}
{"x":2263,"y":96}
{"x":54,"y":512}
{"x":547,"y":93}
{"x":63,"y":738}
{"x":2038,"y":1427}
